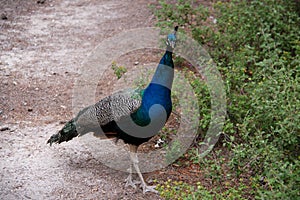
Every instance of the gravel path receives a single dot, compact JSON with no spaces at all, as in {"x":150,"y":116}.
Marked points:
{"x":43,"y":44}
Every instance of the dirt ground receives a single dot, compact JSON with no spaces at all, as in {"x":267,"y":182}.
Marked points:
{"x":43,"y":44}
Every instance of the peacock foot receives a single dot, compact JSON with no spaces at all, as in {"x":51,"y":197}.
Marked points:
{"x":131,"y":183}
{"x":148,"y":188}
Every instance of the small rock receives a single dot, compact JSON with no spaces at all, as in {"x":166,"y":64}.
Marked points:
{"x":30,"y":109}
{"x":136,"y":63}
{"x":214,"y":20}
{"x":40,"y":1}
{"x":3,"y":16}
{"x":159,"y":143}
{"x":5,"y":82}
{"x":12,"y":130}
{"x":4,"y":128}
{"x":262,"y":181}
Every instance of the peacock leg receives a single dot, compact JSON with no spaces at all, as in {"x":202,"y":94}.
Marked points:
{"x":134,"y":159}
{"x":129,"y":181}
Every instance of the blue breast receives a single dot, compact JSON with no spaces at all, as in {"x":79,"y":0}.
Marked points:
{"x":158,"y":92}
{"x":156,"y":105}
{"x":154,"y":94}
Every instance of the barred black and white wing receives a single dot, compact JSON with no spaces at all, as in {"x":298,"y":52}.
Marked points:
{"x":108,"y":109}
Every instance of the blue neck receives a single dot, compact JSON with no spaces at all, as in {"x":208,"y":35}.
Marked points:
{"x":158,"y":91}
{"x":164,"y":73}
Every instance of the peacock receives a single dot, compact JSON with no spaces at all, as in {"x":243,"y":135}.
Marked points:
{"x":134,"y":117}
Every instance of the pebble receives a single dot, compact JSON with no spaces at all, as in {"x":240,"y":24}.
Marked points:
{"x":3,"y":16}
{"x":136,"y":63}
{"x":40,"y":1}
{"x":4,"y":128}
{"x":5,"y":82}
{"x":30,"y":109}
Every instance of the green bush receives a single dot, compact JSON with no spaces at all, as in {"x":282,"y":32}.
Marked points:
{"x":256,"y":45}
{"x":119,"y":71}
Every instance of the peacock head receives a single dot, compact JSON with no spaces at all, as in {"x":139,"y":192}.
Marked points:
{"x":171,"y":39}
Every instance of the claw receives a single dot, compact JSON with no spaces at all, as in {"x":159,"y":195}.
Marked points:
{"x":130,"y":182}
{"x":148,"y":188}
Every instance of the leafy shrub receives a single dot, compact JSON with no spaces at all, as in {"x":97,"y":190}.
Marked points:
{"x":256,"y":45}
{"x":119,"y":71}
